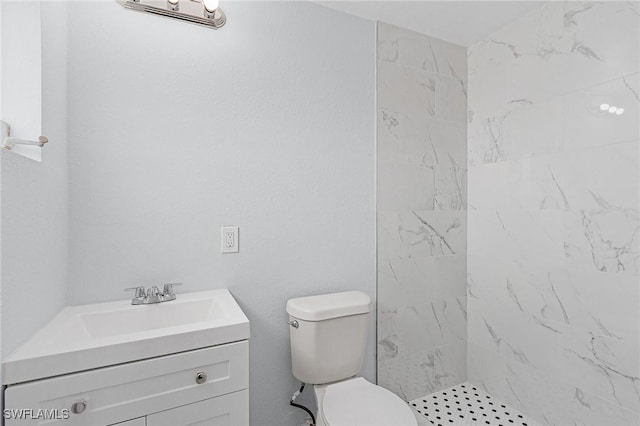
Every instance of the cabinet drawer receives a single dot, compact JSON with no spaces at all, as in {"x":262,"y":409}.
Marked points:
{"x":122,"y":392}
{"x":226,"y":410}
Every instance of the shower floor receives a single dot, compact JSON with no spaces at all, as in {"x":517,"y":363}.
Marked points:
{"x":466,"y":404}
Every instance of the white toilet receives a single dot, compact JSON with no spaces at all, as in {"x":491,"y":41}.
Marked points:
{"x":328,"y":338}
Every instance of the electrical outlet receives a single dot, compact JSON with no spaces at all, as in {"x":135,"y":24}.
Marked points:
{"x":229,"y":239}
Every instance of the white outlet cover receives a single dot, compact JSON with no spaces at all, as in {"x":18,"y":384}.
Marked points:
{"x":229,"y":239}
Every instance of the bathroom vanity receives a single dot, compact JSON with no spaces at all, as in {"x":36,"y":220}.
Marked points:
{"x":183,"y":362}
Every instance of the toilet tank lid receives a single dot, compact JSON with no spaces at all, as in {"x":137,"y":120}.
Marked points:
{"x":327,"y":306}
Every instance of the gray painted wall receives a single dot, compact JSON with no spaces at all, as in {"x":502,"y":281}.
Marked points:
{"x":34,"y":195}
{"x":267,"y":124}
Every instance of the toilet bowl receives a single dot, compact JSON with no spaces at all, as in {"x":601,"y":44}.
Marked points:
{"x":328,"y":335}
{"x":358,"y":402}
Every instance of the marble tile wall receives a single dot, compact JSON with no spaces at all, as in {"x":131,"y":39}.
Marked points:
{"x":421,"y":212}
{"x":554,"y":214}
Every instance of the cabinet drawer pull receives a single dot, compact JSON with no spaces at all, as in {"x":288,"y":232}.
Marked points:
{"x":201,"y":377}
{"x":79,"y":407}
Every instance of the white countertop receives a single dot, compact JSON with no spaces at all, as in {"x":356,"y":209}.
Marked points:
{"x":90,"y":336}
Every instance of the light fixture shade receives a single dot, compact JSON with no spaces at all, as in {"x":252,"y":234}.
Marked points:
{"x":211,"y":5}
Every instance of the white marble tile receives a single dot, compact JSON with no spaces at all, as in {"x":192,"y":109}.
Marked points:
{"x":551,"y":401}
{"x":485,"y":368}
{"x":387,"y":42}
{"x":450,"y":59}
{"x":528,"y":235}
{"x":487,"y":278}
{"x":448,"y":322}
{"x":422,"y":195}
{"x":520,"y":37}
{"x":408,"y":48}
{"x":585,"y":124}
{"x":600,"y":177}
{"x":601,"y":303}
{"x":555,"y":50}
{"x":608,"y":30}
{"x":553,"y":228}
{"x":451,"y":99}
{"x":405,"y":89}
{"x":565,"y":299}
{"x":487,"y":142}
{"x":389,"y":132}
{"x":402,"y":282}
{"x":421,"y":233}
{"x":516,"y":336}
{"x":399,"y":328}
{"x":606,"y":239}
{"x":532,"y":288}
{"x":450,"y":364}
{"x":405,"y":362}
{"x":414,"y":141}
{"x":535,"y":127}
{"x":516,"y":132}
{"x":439,"y":233}
{"x":404,"y":47}
{"x":448,"y":156}
{"x":404,"y":187}
{"x":535,"y":183}
{"x":414,"y":50}
{"x":488,"y":186}
{"x":407,"y":376}
{"x":486,"y":96}
{"x":529,"y":184}
{"x":603,"y":366}
{"x":574,"y":45}
{"x":486,"y":234}
{"x":450,"y":276}
{"x":533,"y":235}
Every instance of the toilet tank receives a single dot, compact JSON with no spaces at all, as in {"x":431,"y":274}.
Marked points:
{"x":329,"y":341}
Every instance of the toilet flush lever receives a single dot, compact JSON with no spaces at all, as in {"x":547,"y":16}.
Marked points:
{"x":293,"y":324}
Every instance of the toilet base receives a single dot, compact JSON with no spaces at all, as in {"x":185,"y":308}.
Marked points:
{"x":350,"y":403}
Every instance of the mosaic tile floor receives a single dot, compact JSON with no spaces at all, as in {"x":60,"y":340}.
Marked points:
{"x":466,"y":404}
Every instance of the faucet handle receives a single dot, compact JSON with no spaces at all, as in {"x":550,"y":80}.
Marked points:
{"x":168,"y":288}
{"x":139,"y":292}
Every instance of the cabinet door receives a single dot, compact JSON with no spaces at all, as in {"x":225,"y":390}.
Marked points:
{"x":226,"y":410}
{"x":140,"y":421}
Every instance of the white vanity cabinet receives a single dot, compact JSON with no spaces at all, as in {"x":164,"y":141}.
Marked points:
{"x":206,"y":386}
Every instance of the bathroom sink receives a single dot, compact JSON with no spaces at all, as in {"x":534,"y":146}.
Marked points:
{"x":90,"y":336}
{"x":125,"y":320}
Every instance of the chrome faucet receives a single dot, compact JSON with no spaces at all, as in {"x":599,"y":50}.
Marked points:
{"x":153,"y":295}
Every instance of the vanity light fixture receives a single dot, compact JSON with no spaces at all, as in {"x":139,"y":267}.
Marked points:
{"x":173,"y":4}
{"x":210,"y":7}
{"x":201,"y":12}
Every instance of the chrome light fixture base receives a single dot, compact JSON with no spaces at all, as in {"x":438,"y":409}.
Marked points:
{"x":188,"y":10}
